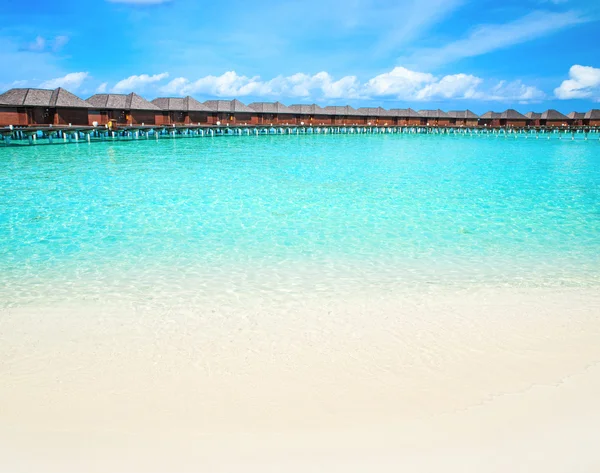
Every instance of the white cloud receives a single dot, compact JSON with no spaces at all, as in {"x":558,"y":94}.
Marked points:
{"x":230,"y":84}
{"x":102,"y":88}
{"x":515,"y":91}
{"x":71,"y":81}
{"x":583,"y":82}
{"x":487,"y":38}
{"x":137,"y":83}
{"x":399,"y":83}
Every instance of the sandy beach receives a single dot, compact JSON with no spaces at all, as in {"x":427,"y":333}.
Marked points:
{"x":487,"y":379}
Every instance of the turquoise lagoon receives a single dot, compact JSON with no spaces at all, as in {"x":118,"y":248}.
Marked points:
{"x":289,"y":215}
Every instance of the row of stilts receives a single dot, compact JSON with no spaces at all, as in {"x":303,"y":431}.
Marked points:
{"x":32,"y":136}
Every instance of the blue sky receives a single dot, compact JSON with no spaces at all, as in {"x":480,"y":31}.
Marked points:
{"x":452,"y":54}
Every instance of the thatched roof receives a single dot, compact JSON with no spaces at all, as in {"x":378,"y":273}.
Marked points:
{"x":433,"y":113}
{"x":303,"y":109}
{"x":229,"y":106}
{"x":511,"y":114}
{"x":370,"y":111}
{"x":270,"y":107}
{"x":177,"y":104}
{"x":464,"y":114}
{"x":57,"y":98}
{"x":346,"y":110}
{"x":533,"y":115}
{"x":576,"y":115}
{"x":491,"y":115}
{"x":405,"y":113}
{"x":593,"y":114}
{"x":554,"y":115}
{"x":121,"y":102}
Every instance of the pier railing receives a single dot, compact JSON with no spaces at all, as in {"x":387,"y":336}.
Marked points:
{"x":74,"y":134}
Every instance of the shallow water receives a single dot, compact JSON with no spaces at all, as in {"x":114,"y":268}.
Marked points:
{"x":83,"y":221}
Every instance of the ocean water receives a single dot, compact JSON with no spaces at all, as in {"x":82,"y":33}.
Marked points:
{"x":293,"y":214}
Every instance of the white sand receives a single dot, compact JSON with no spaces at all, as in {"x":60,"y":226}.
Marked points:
{"x":488,"y":380}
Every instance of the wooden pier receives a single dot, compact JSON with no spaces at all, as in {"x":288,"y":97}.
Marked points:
{"x":77,"y":134}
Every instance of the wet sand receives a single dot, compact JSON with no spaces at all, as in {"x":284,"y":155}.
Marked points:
{"x":487,"y":379}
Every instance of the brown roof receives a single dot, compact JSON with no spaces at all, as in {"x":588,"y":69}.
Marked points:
{"x":270,"y":107}
{"x":59,"y":97}
{"x":121,"y":101}
{"x":491,"y":115}
{"x":178,"y":104}
{"x":576,"y":115}
{"x":304,"y":109}
{"x":533,"y":115}
{"x":593,"y":114}
{"x":230,"y":106}
{"x":553,"y":115}
{"x":433,"y":113}
{"x":345,"y":110}
{"x":511,"y":114}
{"x":405,"y":113}
{"x":465,"y":114}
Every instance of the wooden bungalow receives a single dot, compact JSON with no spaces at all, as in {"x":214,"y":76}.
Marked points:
{"x":576,"y":118}
{"x":435,"y":117}
{"x":274,"y":113}
{"x":182,"y":111}
{"x":130,"y":109}
{"x":28,"y":107}
{"x":551,"y":118}
{"x":534,"y":118}
{"x":592,"y":118}
{"x":512,"y":118}
{"x":463,"y":118}
{"x":311,"y":114}
{"x":407,"y":117}
{"x":490,"y":119}
{"x":345,"y":115}
{"x":231,"y":112}
{"x":373,"y":115}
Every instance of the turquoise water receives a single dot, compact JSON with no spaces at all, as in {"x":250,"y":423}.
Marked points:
{"x":120,"y":220}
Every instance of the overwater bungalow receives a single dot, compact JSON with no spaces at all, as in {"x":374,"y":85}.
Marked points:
{"x":576,"y":118}
{"x":30,"y":107}
{"x":435,"y":117}
{"x":345,"y":115}
{"x":407,"y":117}
{"x":592,"y":118}
{"x":273,"y":113}
{"x":231,"y":112}
{"x":121,"y":109}
{"x":551,"y":118}
{"x":182,"y":111}
{"x":373,"y":115}
{"x":463,"y":118}
{"x":490,"y":119}
{"x":534,"y":118}
{"x":513,"y":118}
{"x":311,"y":114}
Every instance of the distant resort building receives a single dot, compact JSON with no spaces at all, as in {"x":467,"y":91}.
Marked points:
{"x":44,"y":107}
{"x":233,"y":112}
{"x":130,"y":109}
{"x":29,"y":107}
{"x":183,"y":111}
{"x":576,"y":118}
{"x":463,"y":118}
{"x":592,"y":118}
{"x":548,"y":118}
{"x":273,"y":113}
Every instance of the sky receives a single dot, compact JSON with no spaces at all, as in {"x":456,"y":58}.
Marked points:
{"x":426,"y":54}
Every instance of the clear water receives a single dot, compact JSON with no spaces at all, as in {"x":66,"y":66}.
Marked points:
{"x":293,"y":213}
